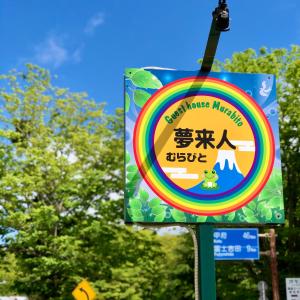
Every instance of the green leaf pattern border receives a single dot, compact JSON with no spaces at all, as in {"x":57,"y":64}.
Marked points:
{"x":266,"y":208}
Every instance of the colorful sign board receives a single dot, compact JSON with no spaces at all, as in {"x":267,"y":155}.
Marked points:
{"x":292,"y":288}
{"x":236,"y":244}
{"x":202,"y":148}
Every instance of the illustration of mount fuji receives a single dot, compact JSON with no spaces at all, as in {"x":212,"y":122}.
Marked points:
{"x":228,"y":171}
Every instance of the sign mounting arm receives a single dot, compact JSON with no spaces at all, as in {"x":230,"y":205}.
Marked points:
{"x":220,"y":22}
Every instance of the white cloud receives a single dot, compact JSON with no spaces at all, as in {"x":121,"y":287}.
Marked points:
{"x":53,"y":52}
{"x":94,"y":22}
{"x":76,"y":55}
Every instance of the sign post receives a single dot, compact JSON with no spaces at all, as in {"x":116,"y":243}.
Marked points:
{"x":206,"y":269}
{"x":206,"y":262}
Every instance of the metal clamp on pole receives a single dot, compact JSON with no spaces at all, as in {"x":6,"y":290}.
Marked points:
{"x":220,"y":22}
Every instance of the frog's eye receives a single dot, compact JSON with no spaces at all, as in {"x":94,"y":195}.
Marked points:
{"x":213,"y":171}
{"x":205,"y":171}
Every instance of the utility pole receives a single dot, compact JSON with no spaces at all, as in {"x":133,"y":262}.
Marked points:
{"x":273,"y":262}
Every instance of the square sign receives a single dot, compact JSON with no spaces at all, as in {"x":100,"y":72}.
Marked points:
{"x":236,"y":244}
{"x":202,"y":148}
{"x":292,"y":288}
{"x":84,"y":291}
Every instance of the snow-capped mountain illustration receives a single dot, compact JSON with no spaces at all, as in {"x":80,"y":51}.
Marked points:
{"x":229,"y":157}
{"x":228,"y":172}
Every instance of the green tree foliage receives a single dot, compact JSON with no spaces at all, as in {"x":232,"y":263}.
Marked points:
{"x":61,"y":184}
{"x":179,"y":270}
{"x":61,"y":189}
{"x":8,"y":274}
{"x":285,"y":64}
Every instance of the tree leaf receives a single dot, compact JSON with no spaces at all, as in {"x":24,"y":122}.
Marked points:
{"x":201,"y":219}
{"x":274,"y":202}
{"x":129,"y":212}
{"x":127,"y":102}
{"x":132,"y":168}
{"x":268,"y":214}
{"x":264,"y":211}
{"x":141,"y":97}
{"x":178,"y":215}
{"x":157,"y":210}
{"x":135,"y":203}
{"x":143,"y":195}
{"x":160,"y":217}
{"x":129,"y":72}
{"x":273,"y":189}
{"x":252,"y":205}
{"x":154,"y":202}
{"x":133,"y":175}
{"x":248,"y":212}
{"x":127,"y":157}
{"x":137,"y":218}
{"x":261,"y":206}
{"x":145,"y":79}
{"x":251,"y":219}
{"x":230,"y":216}
{"x":136,"y":213}
{"x":218,"y":218}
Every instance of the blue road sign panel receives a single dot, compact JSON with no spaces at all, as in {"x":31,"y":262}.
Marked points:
{"x":236,"y":244}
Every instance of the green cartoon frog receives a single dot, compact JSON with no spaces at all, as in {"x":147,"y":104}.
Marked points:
{"x":210,"y":178}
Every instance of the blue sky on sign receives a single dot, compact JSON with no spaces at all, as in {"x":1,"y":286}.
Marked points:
{"x":88,"y":44}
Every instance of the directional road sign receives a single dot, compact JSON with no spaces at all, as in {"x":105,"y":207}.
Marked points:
{"x":236,"y":244}
{"x":84,"y":291}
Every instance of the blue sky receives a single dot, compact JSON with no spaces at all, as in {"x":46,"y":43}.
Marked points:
{"x":88,"y":44}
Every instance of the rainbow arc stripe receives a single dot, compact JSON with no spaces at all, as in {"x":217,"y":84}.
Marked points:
{"x":144,"y":148}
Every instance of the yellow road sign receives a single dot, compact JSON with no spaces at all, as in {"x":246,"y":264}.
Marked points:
{"x":84,"y":291}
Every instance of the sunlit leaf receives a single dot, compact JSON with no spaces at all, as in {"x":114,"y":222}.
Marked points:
{"x":248,"y":212}
{"x":157,"y":210}
{"x":127,"y":102}
{"x":218,"y":218}
{"x":127,"y":157}
{"x":154,"y":202}
{"x":178,"y":215}
{"x":145,"y":79}
{"x":252,"y":205}
{"x":251,"y":219}
{"x":231,"y":216}
{"x":273,"y":189}
{"x":160,"y":217}
{"x":143,"y":195}
{"x":136,"y":213}
{"x":141,"y":97}
{"x":132,"y":168}
{"x":135,"y":203}
{"x":275,"y":201}
{"x":201,"y":219}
